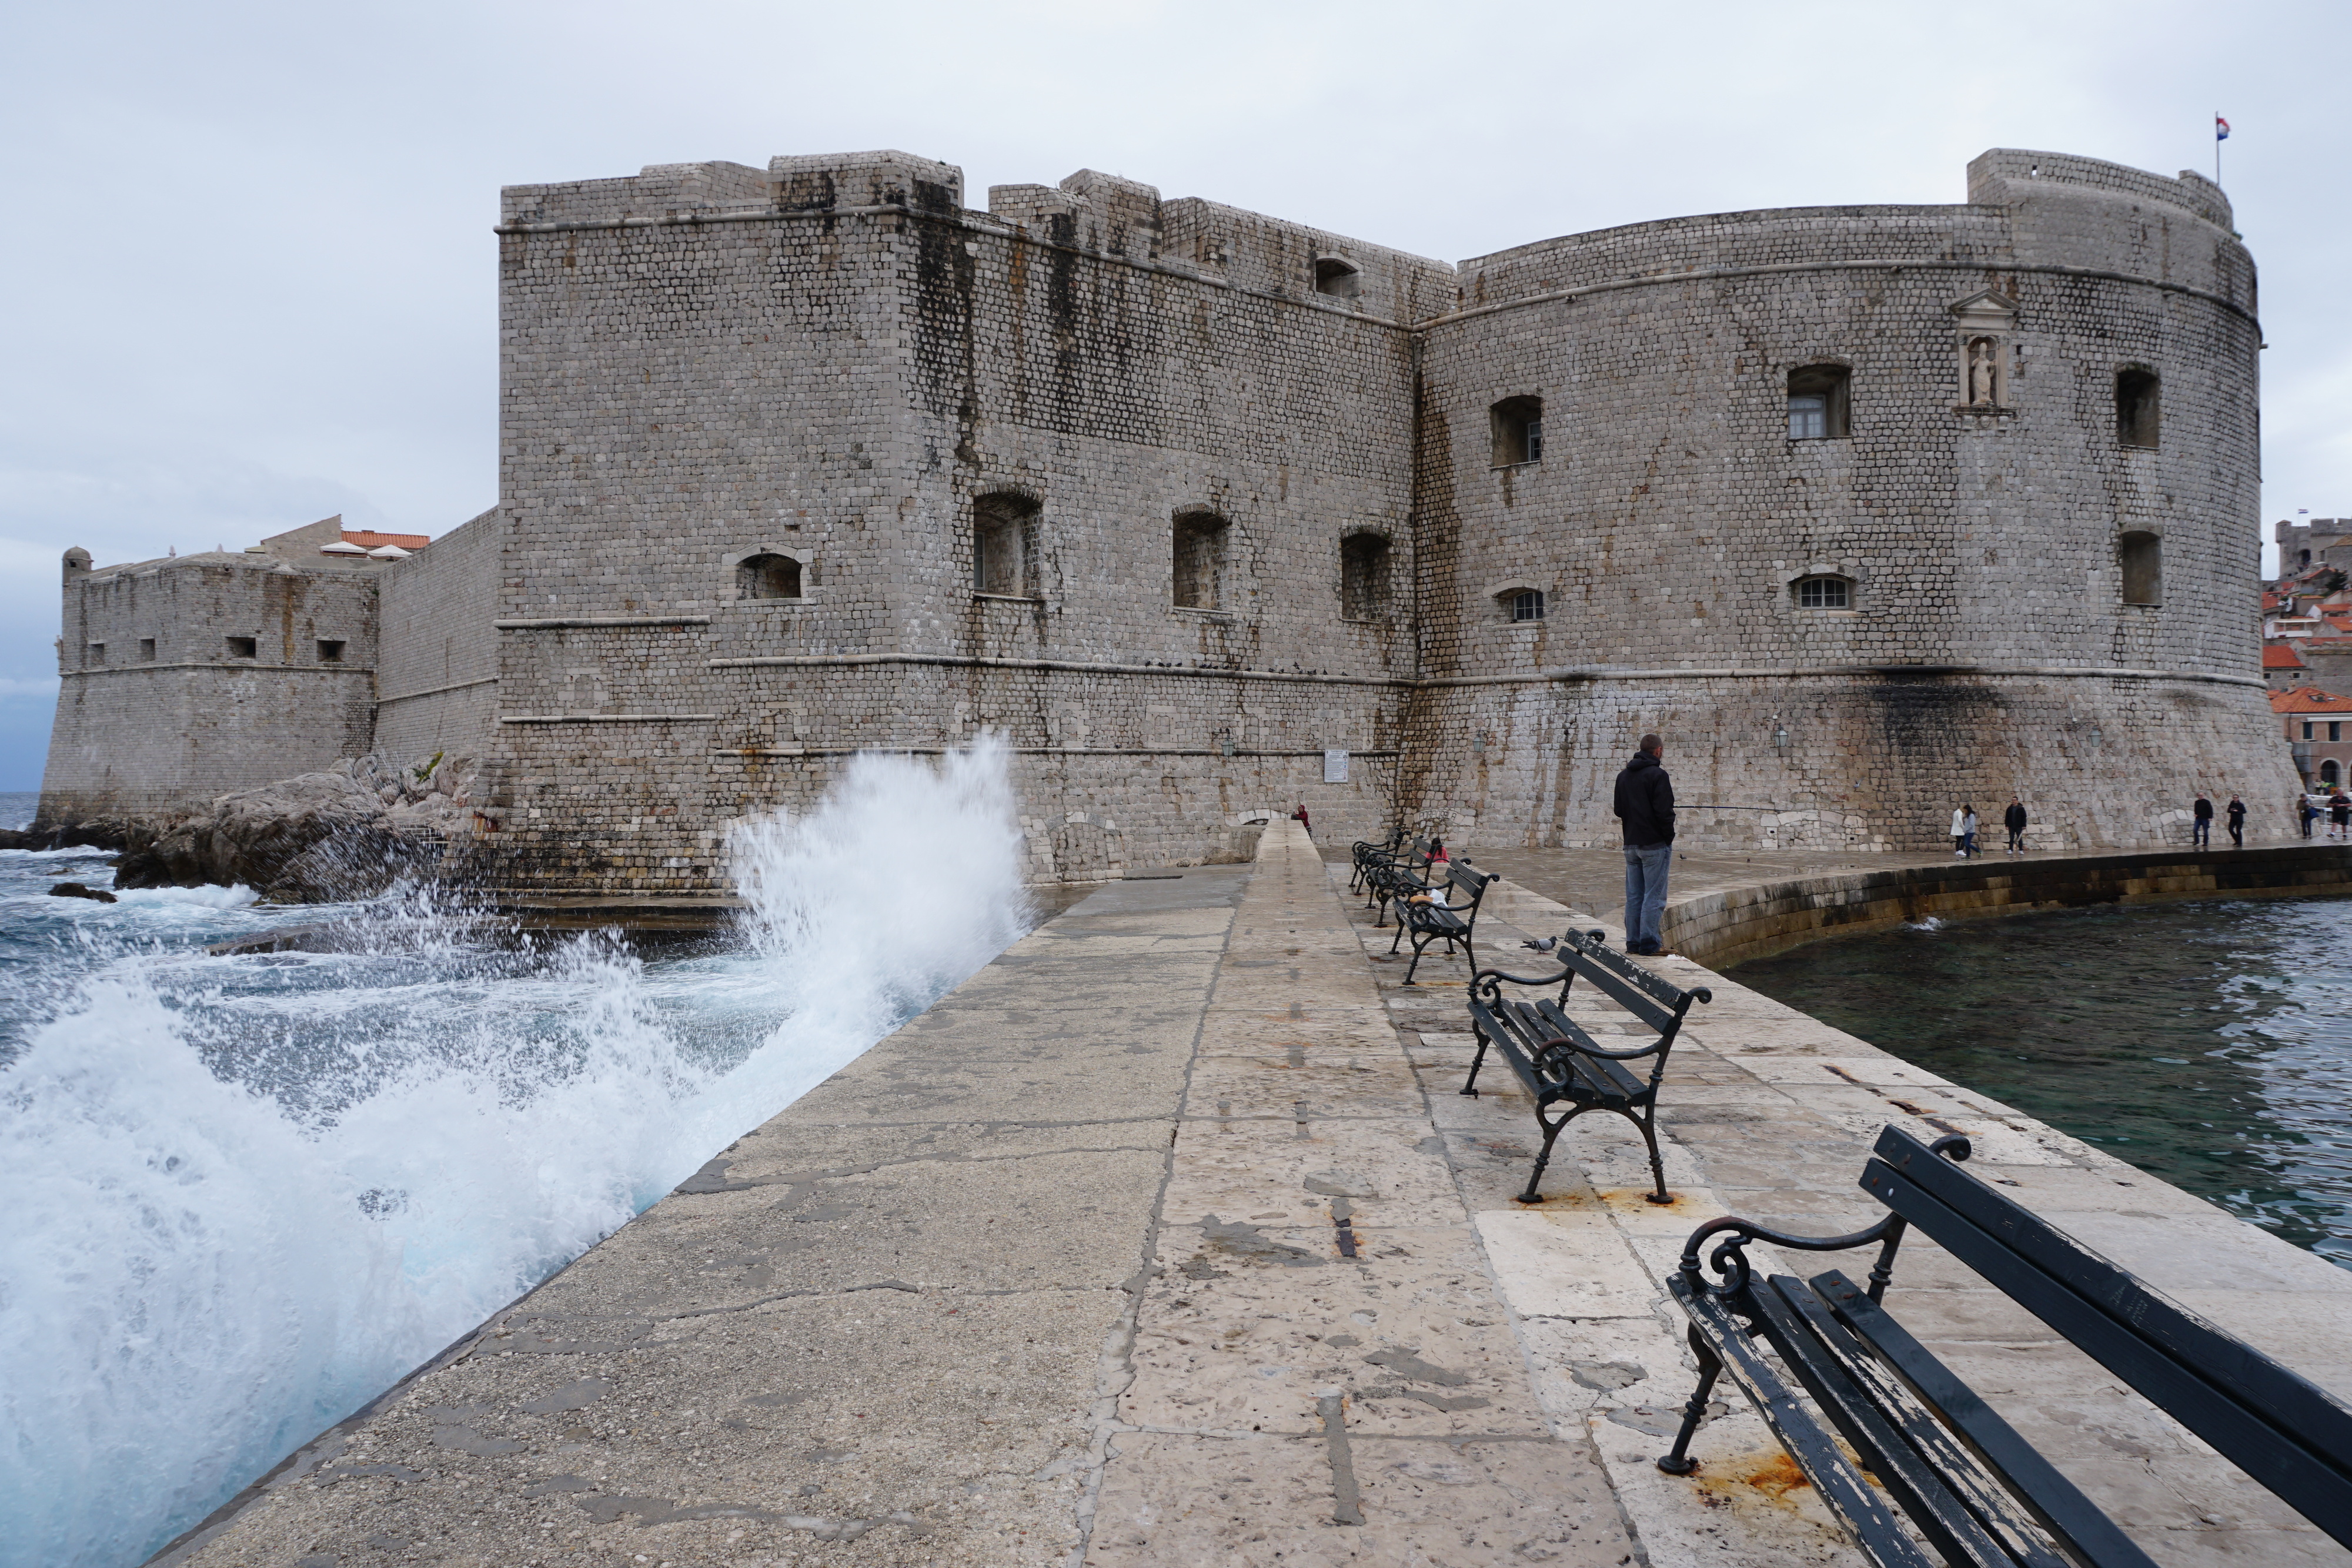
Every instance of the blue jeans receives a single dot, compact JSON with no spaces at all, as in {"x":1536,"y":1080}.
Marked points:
{"x":1646,"y":894}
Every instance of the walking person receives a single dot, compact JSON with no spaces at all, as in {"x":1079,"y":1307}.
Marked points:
{"x":2237,"y":815}
{"x":2305,"y":812}
{"x":1960,"y":831}
{"x":2014,"y":821}
{"x":1969,"y":831}
{"x":2200,"y":830}
{"x":1645,"y":806}
{"x":2339,"y":814}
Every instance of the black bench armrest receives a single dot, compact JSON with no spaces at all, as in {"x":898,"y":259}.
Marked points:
{"x":1728,"y":1259}
{"x":1519,"y":980}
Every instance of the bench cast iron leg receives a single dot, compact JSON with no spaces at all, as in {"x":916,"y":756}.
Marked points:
{"x":1419,"y":942}
{"x":1657,"y":1167}
{"x":1477,"y":1062}
{"x":1551,"y":1133}
{"x":1679,"y":1462}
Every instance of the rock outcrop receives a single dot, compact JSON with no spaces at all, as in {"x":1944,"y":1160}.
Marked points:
{"x":342,"y":833}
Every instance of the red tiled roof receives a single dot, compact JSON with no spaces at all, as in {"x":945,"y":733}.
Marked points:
{"x":2308,"y":699}
{"x":368,"y":538}
{"x":2281,"y":657}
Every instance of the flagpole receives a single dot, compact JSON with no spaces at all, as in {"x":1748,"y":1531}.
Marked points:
{"x":2217,"y":153}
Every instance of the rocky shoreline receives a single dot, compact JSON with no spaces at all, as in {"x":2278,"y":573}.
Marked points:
{"x":347,"y":831}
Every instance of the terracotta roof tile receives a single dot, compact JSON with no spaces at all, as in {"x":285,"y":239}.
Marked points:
{"x":2308,"y":699}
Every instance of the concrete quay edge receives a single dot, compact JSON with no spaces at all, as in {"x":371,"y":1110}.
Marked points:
{"x":1771,"y":912}
{"x":1165,"y":1239}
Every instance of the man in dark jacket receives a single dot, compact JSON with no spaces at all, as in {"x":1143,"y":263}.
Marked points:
{"x":1646,"y":805}
{"x":2202,"y":835}
{"x":2014,"y":821}
{"x":2237,"y":822}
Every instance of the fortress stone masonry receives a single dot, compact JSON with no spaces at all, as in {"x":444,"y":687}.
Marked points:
{"x":1866,"y":510}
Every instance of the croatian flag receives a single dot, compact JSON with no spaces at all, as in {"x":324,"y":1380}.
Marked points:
{"x":2220,"y":128}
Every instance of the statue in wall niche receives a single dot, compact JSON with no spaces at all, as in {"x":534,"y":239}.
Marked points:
{"x":1983,"y":389}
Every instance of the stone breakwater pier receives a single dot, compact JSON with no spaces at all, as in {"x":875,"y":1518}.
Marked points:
{"x":1166,"y":1239}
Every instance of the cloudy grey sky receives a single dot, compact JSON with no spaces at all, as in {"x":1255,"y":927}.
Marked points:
{"x":251,"y":277}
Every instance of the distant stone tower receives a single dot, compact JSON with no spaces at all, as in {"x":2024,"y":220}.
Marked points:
{"x":195,"y":675}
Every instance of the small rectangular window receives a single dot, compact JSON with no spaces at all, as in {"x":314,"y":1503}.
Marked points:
{"x":1528,"y":604}
{"x":2308,"y":726}
{"x":93,"y":656}
{"x":2138,"y":403}
{"x":330,"y":652}
{"x":2141,"y":556}
{"x":146,"y":650}
{"x":1824,"y":593}
{"x":1818,"y":402}
{"x":1200,"y":564}
{"x":1517,"y":423}
{"x":1004,"y":546}
{"x":243,"y":648}
{"x":1363,"y":577}
{"x":2334,"y":730}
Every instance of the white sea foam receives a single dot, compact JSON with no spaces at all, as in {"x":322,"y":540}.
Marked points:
{"x":235,"y":1214}
{"x":207,"y":898}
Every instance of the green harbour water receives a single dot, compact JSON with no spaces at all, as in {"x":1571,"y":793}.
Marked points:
{"x":2208,"y":1043}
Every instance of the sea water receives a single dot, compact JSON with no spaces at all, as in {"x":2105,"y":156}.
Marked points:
{"x":2208,"y":1043}
{"x":243,"y":1194}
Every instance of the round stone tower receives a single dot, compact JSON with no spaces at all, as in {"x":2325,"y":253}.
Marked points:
{"x":1867,"y":510}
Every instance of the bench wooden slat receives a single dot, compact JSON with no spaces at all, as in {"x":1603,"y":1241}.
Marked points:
{"x":1827,"y":1366}
{"x":1839,"y":1485}
{"x":2116,"y":1321}
{"x":1606,"y":1076}
{"x":1628,"y":992}
{"x":2057,"y":1504}
{"x":2253,"y":1378}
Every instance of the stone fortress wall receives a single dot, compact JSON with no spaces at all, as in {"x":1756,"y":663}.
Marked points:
{"x":867,"y":369}
{"x":437,"y":675}
{"x":198,"y":675}
{"x":1983,"y":642}
{"x":810,"y":459}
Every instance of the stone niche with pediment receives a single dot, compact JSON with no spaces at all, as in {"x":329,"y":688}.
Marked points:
{"x":1987,"y":322}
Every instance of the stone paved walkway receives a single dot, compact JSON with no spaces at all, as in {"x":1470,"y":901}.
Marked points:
{"x":1167,"y":1239}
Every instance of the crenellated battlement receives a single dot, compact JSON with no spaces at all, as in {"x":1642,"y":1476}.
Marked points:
{"x":2008,"y":176}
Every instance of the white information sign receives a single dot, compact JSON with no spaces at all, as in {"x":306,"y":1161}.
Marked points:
{"x":1335,"y":766}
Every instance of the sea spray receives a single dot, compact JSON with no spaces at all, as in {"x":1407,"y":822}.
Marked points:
{"x":247,"y":1194}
